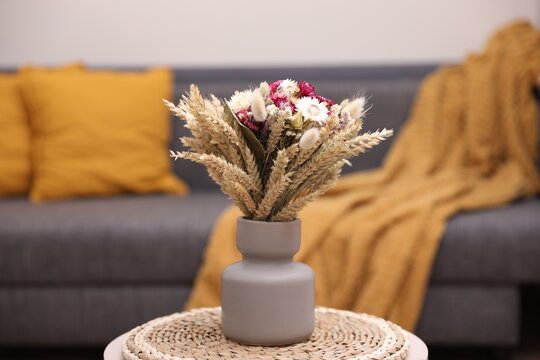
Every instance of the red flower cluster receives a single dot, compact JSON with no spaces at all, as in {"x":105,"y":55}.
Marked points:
{"x":281,"y":101}
{"x":305,"y":89}
{"x":245,"y":119}
{"x":328,"y":102}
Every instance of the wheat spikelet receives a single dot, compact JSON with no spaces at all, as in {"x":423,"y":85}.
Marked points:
{"x":252,"y":168}
{"x":326,"y":155}
{"x":368,"y":140}
{"x":225,"y":187}
{"x":325,"y":133}
{"x":314,"y":190}
{"x":197,"y":146}
{"x":218,"y":105}
{"x":236,"y":192}
{"x":228,"y":189}
{"x":277,"y":126}
{"x":305,"y":154}
{"x":230,"y":171}
{"x":315,"y":183}
{"x":225,"y":141}
{"x":277,"y":183}
{"x":221,"y":133}
{"x":336,"y":149}
{"x":333,"y":152}
{"x":183,"y":113}
{"x":201,"y":141}
{"x":172,"y":108}
{"x":242,"y":198}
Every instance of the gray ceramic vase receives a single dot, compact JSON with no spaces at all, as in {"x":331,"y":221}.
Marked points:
{"x":267,"y":298}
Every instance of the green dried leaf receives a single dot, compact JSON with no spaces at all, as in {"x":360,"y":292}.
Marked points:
{"x":285,"y":199}
{"x":254,"y":144}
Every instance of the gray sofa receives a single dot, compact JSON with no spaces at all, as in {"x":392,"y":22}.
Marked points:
{"x":81,"y":272}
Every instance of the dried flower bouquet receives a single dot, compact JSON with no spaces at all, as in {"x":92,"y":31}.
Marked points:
{"x":275,"y":148}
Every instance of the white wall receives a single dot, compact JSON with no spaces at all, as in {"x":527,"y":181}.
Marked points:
{"x":244,"y":32}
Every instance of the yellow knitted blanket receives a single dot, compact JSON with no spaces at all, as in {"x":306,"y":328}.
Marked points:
{"x":470,"y":143}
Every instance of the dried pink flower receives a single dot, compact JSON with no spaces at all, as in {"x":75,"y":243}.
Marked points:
{"x":280,"y":100}
{"x":328,"y":102}
{"x":245,"y":119}
{"x":274,"y":86}
{"x":306,"y":89}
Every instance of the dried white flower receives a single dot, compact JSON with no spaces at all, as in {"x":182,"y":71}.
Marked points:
{"x":258,"y":107}
{"x":272,"y":109}
{"x":264,"y":89}
{"x":356,"y":107}
{"x":335,"y":109}
{"x":288,"y":87}
{"x":312,"y":109}
{"x":309,"y":138}
{"x":240,"y":100}
{"x":288,"y":111}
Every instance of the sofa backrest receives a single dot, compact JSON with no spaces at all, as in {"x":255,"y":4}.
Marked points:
{"x":390,"y":89}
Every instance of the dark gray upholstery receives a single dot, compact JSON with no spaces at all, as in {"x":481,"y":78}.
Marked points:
{"x":75,"y":316}
{"x":135,"y":239}
{"x":82,"y":271}
{"x":492,"y":246}
{"x":471,"y":315}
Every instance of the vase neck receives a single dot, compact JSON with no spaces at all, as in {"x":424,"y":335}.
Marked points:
{"x":250,"y":259}
{"x":268,"y":241}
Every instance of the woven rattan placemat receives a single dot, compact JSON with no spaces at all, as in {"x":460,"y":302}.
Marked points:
{"x":197,"y":335}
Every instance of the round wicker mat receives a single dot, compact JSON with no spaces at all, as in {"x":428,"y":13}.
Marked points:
{"x":197,"y":335}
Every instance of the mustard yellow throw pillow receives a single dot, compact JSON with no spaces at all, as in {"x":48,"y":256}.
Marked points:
{"x":15,"y":134}
{"x":99,"y":133}
{"x":14,"y":139}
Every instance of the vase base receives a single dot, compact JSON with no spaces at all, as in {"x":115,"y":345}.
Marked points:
{"x":273,"y":342}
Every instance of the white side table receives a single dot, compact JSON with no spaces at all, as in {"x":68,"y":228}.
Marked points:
{"x":418,"y":350}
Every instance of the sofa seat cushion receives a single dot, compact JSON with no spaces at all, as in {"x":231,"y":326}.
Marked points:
{"x":135,"y":239}
{"x":160,"y":239}
{"x":499,"y":245}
